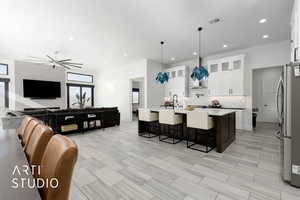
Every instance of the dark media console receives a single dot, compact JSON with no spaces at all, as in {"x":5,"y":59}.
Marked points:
{"x":76,"y":120}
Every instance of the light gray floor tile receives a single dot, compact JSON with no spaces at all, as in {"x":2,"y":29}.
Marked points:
{"x":115,"y":163}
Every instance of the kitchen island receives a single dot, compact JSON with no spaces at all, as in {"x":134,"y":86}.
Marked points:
{"x":224,"y":120}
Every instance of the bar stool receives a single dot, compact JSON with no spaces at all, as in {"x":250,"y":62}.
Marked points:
{"x":172,"y":121}
{"x":203,"y":125}
{"x":23,"y":125}
{"x":149,"y":122}
{"x":37,"y":143}
{"x":57,"y":163}
{"x":28,"y":131}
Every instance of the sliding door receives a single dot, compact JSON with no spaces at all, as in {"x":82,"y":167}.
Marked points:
{"x":79,"y":96}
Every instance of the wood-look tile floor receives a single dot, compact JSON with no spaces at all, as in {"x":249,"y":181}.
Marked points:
{"x":116,"y":163}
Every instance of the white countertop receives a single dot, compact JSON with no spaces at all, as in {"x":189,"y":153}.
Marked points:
{"x":211,"y":111}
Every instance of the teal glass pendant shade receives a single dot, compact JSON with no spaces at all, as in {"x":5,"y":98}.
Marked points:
{"x":162,"y":77}
{"x":199,"y":73}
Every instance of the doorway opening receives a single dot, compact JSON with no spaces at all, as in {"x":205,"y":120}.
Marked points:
{"x":137,"y":97}
{"x":265,"y":94}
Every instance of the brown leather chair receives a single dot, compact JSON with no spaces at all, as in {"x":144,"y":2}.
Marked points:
{"x":23,"y":125}
{"x":28,"y":131}
{"x":58,"y":162}
{"x":37,"y":143}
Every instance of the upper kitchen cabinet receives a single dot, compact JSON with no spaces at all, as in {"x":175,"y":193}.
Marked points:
{"x":226,"y":76}
{"x":178,"y":81}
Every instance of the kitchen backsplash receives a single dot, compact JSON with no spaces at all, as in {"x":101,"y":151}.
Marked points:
{"x":229,"y":101}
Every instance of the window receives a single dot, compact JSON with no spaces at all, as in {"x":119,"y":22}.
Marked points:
{"x":213,"y":68}
{"x":135,"y":95}
{"x":79,"y":96}
{"x":71,"y":76}
{"x":3,"y":69}
{"x":4,"y":100}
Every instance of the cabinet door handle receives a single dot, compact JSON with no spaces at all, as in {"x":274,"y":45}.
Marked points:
{"x":296,"y":54}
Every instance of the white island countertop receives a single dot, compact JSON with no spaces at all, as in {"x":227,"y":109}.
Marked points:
{"x":211,"y":111}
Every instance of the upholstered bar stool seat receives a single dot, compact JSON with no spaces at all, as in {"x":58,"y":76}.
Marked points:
{"x":173,"y":122}
{"x":202,"y":125}
{"x":149,"y":120}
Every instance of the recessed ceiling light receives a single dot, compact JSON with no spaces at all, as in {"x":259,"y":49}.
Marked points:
{"x":265,"y":36}
{"x":71,"y":38}
{"x":225,"y":45}
{"x":263,"y":20}
{"x":195,"y":53}
{"x":172,"y":58}
{"x":125,"y":54}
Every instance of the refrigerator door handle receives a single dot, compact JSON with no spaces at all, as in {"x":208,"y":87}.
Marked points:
{"x":279,"y":87}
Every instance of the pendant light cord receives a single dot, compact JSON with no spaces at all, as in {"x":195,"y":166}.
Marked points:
{"x":162,"y":53}
{"x":199,"y":47}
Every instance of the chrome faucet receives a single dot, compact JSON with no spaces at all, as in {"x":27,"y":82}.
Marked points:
{"x":175,"y":101}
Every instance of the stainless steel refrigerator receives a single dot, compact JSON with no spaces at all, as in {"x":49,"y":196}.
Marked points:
{"x":288,"y":107}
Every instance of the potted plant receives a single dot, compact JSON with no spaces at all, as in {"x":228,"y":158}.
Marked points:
{"x":81,"y":101}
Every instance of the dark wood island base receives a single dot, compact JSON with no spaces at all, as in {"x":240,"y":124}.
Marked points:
{"x":225,"y":131}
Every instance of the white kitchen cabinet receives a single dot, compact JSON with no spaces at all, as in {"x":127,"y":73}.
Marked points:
{"x":239,"y":119}
{"x":226,"y":76}
{"x":178,"y":82}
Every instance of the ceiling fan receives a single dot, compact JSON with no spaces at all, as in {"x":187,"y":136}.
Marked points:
{"x":54,"y":61}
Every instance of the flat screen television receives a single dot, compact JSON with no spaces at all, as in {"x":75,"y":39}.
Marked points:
{"x":41,"y":89}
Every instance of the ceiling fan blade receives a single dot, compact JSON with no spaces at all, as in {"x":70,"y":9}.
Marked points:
{"x":63,"y":65}
{"x":65,"y":60}
{"x":54,"y":61}
{"x":51,"y":58}
{"x":71,"y":63}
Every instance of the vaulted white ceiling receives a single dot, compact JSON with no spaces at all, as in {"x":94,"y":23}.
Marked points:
{"x":99,"y":32}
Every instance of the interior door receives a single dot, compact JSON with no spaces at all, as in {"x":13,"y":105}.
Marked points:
{"x":269,"y":96}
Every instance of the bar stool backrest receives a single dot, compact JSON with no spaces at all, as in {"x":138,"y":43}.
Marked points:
{"x":28,"y":131}
{"x":199,"y":119}
{"x":23,"y":125}
{"x":147,"y":115}
{"x":169,"y":117}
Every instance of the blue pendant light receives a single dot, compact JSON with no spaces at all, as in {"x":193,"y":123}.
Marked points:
{"x":162,"y":77}
{"x":199,"y":72}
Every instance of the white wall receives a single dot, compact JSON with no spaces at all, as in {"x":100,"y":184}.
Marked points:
{"x":26,"y":70}
{"x":155,"y":91}
{"x":263,"y":56}
{"x":113,"y":86}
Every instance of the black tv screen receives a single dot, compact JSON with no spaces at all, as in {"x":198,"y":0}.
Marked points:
{"x":41,"y":89}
